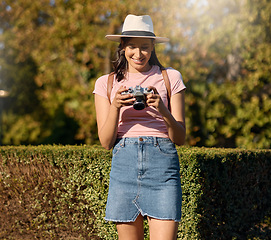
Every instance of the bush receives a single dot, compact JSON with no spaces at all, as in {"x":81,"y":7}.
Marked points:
{"x":59,"y":192}
{"x":226,"y":193}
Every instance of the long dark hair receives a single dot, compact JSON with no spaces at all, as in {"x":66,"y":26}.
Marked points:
{"x":120,"y":64}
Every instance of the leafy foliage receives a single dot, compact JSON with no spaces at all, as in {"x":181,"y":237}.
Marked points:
{"x":53,"y":51}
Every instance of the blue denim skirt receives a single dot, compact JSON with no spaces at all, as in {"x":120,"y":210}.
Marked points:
{"x":144,"y":179}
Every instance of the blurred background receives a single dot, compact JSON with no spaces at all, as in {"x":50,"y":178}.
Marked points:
{"x":52,"y":52}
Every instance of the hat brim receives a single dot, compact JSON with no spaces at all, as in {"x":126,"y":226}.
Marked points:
{"x":117,"y":38}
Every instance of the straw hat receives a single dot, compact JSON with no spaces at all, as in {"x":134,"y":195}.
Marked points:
{"x":137,"y":26}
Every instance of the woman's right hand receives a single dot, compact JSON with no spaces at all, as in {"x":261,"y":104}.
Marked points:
{"x":121,"y":100}
{"x":108,"y":116}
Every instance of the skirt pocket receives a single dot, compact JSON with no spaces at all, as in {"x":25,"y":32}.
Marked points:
{"x":167,"y":147}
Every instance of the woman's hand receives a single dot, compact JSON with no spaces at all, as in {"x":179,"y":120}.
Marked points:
{"x":108,"y":116}
{"x":155,"y":100}
{"x":121,"y":100}
{"x":174,"y":119}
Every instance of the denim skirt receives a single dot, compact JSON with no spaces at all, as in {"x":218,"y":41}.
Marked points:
{"x":144,"y":179}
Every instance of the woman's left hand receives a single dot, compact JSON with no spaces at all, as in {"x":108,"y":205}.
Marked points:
{"x":154,"y":100}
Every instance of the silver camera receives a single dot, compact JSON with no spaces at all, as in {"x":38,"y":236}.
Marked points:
{"x":140,"y":95}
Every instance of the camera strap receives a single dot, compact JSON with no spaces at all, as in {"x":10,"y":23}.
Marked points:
{"x":167,"y":83}
{"x":165,"y":77}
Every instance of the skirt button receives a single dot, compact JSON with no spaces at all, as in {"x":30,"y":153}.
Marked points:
{"x":140,"y":139}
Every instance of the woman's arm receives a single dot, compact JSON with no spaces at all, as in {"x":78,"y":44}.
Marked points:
{"x":174,"y":120}
{"x":107,"y":116}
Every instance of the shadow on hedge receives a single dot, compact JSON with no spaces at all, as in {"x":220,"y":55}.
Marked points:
{"x":236,"y":196}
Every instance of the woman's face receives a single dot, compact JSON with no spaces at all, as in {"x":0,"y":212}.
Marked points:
{"x":138,"y":52}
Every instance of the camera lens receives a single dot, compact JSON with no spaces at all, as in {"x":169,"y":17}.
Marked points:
{"x":139,"y":105}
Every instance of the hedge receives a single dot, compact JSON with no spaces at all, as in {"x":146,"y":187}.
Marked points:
{"x":59,"y":192}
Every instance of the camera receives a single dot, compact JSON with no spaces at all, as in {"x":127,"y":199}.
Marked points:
{"x":140,"y":95}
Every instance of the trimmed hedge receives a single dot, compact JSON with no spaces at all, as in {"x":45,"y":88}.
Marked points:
{"x":59,"y":192}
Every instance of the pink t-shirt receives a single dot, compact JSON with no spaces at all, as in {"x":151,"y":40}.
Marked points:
{"x":146,"y":122}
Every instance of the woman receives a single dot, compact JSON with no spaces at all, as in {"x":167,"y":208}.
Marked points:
{"x":144,"y":178}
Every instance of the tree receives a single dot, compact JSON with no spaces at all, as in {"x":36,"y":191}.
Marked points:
{"x":66,"y":45}
{"x":222,"y":49}
{"x":237,"y":112}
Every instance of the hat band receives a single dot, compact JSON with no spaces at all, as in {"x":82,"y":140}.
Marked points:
{"x":138,"y":33}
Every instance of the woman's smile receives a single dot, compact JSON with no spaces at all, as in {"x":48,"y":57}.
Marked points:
{"x":138,"y":61}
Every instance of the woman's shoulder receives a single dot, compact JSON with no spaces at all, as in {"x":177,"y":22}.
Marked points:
{"x":101,"y":85}
{"x":102,"y":78}
{"x":171,"y":69}
{"x":176,"y":80}
{"x":102,"y":81}
{"x":173,"y":72}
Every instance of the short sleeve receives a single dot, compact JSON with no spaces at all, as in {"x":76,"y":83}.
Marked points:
{"x":176,"y":81}
{"x":101,"y":86}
